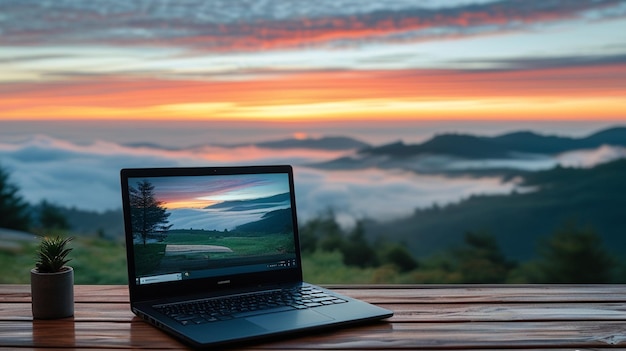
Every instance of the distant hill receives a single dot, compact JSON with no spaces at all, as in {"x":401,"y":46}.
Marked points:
{"x":278,"y":221}
{"x":149,"y":145}
{"x":466,"y":146}
{"x":331,"y":143}
{"x":435,"y":154}
{"x":469,"y":146}
{"x":109,"y":224}
{"x":245,"y":205}
{"x":591,"y":198}
{"x":325,"y":143}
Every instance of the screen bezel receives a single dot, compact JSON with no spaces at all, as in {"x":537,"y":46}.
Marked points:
{"x":215,"y":284}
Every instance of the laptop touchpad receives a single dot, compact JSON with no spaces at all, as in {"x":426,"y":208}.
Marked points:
{"x":289,"y":320}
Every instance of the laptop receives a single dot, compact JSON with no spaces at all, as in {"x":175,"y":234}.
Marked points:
{"x":214,"y":257}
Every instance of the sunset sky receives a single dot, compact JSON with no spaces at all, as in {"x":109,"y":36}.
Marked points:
{"x":200,"y":192}
{"x":303,"y":61}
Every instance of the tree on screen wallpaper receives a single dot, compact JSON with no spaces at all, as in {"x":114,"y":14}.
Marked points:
{"x":149,"y":217}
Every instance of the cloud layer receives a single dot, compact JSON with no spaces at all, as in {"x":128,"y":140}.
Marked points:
{"x":221,"y":25}
{"x":87,"y":176}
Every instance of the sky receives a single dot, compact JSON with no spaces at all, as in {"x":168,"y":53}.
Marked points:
{"x":289,"y":61}
{"x":200,"y":192}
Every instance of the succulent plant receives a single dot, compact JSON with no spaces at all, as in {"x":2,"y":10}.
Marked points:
{"x":52,"y":254}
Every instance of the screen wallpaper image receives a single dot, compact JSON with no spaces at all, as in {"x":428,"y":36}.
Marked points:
{"x":208,"y":224}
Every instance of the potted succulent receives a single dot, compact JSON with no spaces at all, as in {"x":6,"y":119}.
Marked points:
{"x":51,"y":281}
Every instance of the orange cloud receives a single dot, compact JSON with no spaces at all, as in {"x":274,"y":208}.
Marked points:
{"x":573,"y":92}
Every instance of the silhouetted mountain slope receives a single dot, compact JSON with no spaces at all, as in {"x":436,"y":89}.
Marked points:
{"x":439,"y":154}
{"x":466,"y":146}
{"x":150,"y":145}
{"x":611,"y":136}
{"x":278,"y":221}
{"x":325,"y":143}
{"x":469,"y":146}
{"x":244,"y":205}
{"x":109,"y":223}
{"x":589,"y":197}
{"x":331,"y":143}
{"x":529,"y":142}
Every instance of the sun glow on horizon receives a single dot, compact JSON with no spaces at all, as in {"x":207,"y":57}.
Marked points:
{"x":189,"y":204}
{"x":300,"y":135}
{"x":429,"y":95}
{"x":454,"y":108}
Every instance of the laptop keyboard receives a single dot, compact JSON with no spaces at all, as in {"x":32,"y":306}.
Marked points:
{"x":241,"y":306}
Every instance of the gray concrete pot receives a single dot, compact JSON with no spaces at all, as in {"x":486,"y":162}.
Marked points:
{"x":52,"y":293}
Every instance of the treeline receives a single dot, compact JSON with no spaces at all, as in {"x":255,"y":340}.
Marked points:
{"x":325,"y":234}
{"x":545,"y":200}
{"x":46,"y":217}
{"x":572,"y":254}
{"x":20,"y":215}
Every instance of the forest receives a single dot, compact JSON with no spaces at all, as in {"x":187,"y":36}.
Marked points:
{"x":570,"y":249}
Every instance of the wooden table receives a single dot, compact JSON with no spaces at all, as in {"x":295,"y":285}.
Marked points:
{"x":426,"y":317}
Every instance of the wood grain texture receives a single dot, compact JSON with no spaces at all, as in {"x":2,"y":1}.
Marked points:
{"x":426,"y":317}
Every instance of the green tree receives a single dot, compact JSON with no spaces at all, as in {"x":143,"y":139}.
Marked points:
{"x":322,"y":233}
{"x":574,"y":255}
{"x":399,"y":256}
{"x":357,"y":251}
{"x":308,"y":236}
{"x":478,"y":261}
{"x":481,"y":260}
{"x":149,"y":217}
{"x":51,"y":218}
{"x":14,"y":210}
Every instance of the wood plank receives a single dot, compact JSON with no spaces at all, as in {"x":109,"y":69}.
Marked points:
{"x":66,"y":333}
{"x":508,"y":312}
{"x":390,"y":294}
{"x":114,"y":312}
{"x":376,"y":336}
{"x":117,"y":312}
{"x":82,"y":293}
{"x":492,"y":294}
{"x":461,"y":336}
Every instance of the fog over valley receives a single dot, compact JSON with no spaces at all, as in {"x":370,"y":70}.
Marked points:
{"x":352,"y":180}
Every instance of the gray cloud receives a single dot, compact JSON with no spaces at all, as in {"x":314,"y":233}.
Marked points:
{"x":531,"y":63}
{"x":225,"y":25}
{"x":87,"y":176}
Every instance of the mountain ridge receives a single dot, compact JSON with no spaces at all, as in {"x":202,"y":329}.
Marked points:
{"x":452,"y":144}
{"x":267,"y":201}
{"x":449,"y":147}
{"x":328,"y":143}
{"x":469,"y":146}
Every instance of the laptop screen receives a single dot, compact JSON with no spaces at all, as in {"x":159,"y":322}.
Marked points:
{"x":205,"y":225}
